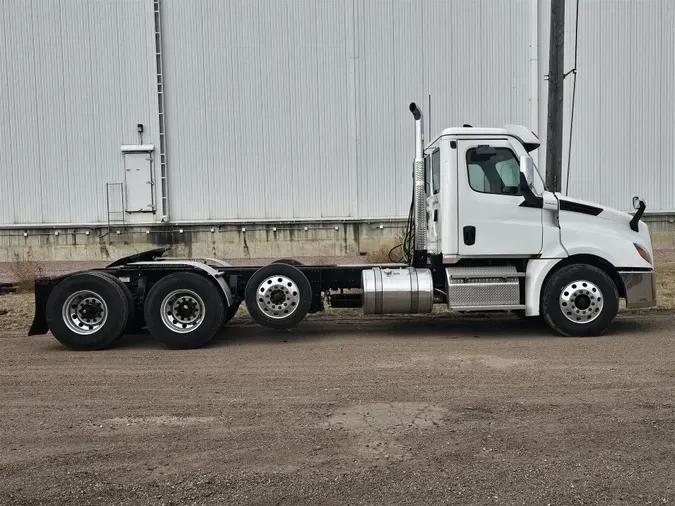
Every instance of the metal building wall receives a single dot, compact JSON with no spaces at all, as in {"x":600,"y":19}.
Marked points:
{"x":76,"y":77}
{"x":298,"y":110}
{"x":258,"y":109}
{"x":623,"y":118}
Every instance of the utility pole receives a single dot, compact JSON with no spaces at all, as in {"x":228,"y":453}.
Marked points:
{"x":556,"y":75}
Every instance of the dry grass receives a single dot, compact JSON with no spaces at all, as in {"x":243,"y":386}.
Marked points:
{"x":380,"y":256}
{"x":26,"y":270}
{"x":393,"y":246}
{"x":665,"y":285}
{"x":16,"y":313}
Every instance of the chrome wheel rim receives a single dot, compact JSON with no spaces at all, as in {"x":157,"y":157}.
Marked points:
{"x":581,"y":302}
{"x":84,"y":312}
{"x":278,"y":297}
{"x":183,"y":311}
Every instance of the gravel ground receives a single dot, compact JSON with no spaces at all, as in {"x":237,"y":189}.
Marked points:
{"x":345,"y":410}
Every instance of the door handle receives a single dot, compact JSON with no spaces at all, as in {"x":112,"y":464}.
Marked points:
{"x":469,"y":235}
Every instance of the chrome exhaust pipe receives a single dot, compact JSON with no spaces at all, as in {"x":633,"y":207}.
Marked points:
{"x":420,"y":199}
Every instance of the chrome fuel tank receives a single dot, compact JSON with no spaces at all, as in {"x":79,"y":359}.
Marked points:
{"x":406,"y":290}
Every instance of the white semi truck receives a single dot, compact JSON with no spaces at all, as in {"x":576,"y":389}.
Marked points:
{"x":484,"y":234}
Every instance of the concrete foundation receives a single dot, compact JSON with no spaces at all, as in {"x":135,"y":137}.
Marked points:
{"x":230,"y":241}
{"x":216,"y":241}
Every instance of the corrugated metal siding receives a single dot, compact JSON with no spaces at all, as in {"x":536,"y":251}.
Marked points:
{"x":258,"y":109}
{"x":77,"y":77}
{"x":464,"y":54}
{"x":294,"y":109}
{"x":299,"y":109}
{"x":624,"y":105}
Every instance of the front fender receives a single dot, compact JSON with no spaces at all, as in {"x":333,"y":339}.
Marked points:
{"x":535,"y":274}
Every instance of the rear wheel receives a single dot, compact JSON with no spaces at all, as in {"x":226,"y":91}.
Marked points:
{"x":184,"y":310}
{"x":278,"y":296}
{"x":579,"y":300}
{"x":136,"y":321}
{"x":87,"y":311}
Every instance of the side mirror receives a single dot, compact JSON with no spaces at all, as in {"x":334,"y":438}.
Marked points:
{"x":527,"y":182}
{"x":527,"y":169}
{"x":640,"y":205}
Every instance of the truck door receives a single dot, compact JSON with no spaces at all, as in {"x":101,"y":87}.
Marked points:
{"x":491,"y":219}
{"x":433,"y":188}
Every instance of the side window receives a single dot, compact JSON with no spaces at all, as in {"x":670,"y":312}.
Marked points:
{"x":493,"y":170}
{"x":436,"y":171}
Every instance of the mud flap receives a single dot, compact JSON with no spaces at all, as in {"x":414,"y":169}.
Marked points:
{"x":43,"y":289}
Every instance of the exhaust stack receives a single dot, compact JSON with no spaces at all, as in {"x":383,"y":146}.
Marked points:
{"x":420,"y":204}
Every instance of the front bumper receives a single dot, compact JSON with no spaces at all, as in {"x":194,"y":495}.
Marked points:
{"x":640,"y":288}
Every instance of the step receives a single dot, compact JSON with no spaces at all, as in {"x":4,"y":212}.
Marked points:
{"x":483,"y":288}
{"x":505,"y":307}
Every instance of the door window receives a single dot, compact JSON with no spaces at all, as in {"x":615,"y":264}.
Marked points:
{"x":436,"y":170}
{"x":493,"y":170}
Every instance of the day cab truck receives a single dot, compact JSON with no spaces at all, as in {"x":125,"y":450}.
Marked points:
{"x":484,"y":234}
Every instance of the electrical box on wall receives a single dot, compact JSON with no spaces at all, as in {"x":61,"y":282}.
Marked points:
{"x":138,"y":178}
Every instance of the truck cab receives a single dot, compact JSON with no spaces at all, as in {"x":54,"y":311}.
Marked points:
{"x":487,"y":207}
{"x":478,"y":170}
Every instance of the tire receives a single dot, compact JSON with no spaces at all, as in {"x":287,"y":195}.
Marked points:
{"x":588,"y":296}
{"x":101,"y":312}
{"x":136,"y":321}
{"x":291,"y":289}
{"x":288,"y":261}
{"x":204,"y":316}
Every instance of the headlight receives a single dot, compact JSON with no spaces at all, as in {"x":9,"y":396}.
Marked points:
{"x":643,"y":253}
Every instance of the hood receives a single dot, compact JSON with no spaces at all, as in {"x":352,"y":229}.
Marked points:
{"x":585,"y":223}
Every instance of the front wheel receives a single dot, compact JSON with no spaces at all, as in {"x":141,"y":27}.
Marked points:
{"x":579,"y":300}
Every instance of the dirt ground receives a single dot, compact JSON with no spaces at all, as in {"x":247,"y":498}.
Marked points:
{"x":345,"y":410}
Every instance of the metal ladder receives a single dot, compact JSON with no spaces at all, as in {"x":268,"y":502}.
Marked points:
{"x":111,"y":212}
